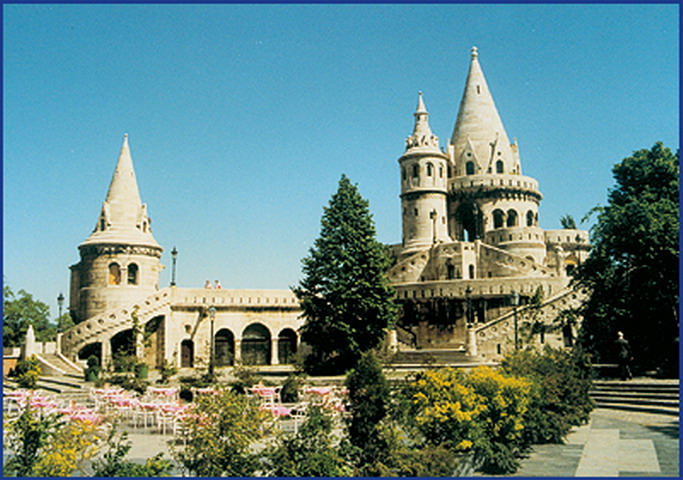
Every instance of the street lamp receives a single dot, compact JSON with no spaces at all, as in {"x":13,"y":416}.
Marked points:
{"x":174,"y":257}
{"x":60,"y":302}
{"x":212,"y":316}
{"x":515,"y":302}
{"x":468,"y":292}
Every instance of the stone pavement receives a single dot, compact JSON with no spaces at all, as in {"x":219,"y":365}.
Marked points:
{"x":613,"y":444}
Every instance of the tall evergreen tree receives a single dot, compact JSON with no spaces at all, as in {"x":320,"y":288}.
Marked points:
{"x":346,"y":298}
{"x":632,"y":272}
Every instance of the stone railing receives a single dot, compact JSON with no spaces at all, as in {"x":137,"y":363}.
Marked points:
{"x":490,"y":181}
{"x":409,"y":268}
{"x":113,"y":321}
{"x":191,"y":297}
{"x":481,"y":287}
{"x":500,"y":331}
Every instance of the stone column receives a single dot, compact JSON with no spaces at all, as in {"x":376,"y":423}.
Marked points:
{"x":105,"y":352}
{"x":238,"y":351}
{"x":471,"y":342}
{"x":274,"y":355}
{"x":392,"y":341}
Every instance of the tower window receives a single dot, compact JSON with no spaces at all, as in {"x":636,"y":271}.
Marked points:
{"x":103,"y":224}
{"x":114,"y":274}
{"x":441,"y":171}
{"x":132,"y":274}
{"x":529,"y":218}
{"x":403,"y":173}
{"x":416,"y":212}
{"x":469,"y":168}
{"x":499,"y":166}
{"x":512,"y":218}
{"x":478,"y":89}
{"x":416,"y":171}
{"x":430,"y":169}
{"x":471,"y":271}
{"x":451,"y":271}
{"x":498,"y":218}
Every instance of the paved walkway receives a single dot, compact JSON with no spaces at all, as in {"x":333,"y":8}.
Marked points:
{"x":612,"y":444}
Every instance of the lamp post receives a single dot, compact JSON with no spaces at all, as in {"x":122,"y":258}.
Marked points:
{"x":212,"y":316}
{"x":174,"y":257}
{"x":60,"y":303}
{"x":433,"y":216}
{"x":468,"y":316}
{"x":515,"y":302}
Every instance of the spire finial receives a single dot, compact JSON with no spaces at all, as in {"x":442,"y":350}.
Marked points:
{"x":474,"y":52}
{"x":420,"y":104}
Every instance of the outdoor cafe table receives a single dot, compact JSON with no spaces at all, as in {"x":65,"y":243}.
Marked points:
{"x":276,"y":410}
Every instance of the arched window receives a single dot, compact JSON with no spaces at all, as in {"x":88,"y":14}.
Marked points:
{"x":529,"y":218}
{"x":469,"y":168}
{"x":103,"y":224}
{"x":224,"y":348}
{"x":441,"y":171}
{"x":512,"y":218}
{"x":256,"y":345}
{"x":286,"y":346}
{"x":430,"y":169}
{"x":416,"y":171}
{"x":499,"y":166}
{"x":471,"y":271}
{"x":114,"y":274}
{"x":132,"y":274}
{"x":187,"y":353}
{"x":498,"y":218}
{"x":403,"y":173}
{"x":451,"y":271}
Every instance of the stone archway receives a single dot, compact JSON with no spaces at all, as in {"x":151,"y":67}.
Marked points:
{"x":187,"y":353}
{"x":286,"y":346}
{"x":224,"y":348}
{"x":256,"y":345}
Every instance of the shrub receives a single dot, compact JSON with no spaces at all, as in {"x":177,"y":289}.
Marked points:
{"x":245,"y":377}
{"x":311,"y":452}
{"x":368,"y":394}
{"x":218,"y":436}
{"x":559,"y":399}
{"x":92,"y":372}
{"x":27,"y":372}
{"x":290,"y":388}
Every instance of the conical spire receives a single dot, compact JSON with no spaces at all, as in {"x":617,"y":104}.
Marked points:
{"x":123,"y":217}
{"x":478,"y":126}
{"x":422,"y":136}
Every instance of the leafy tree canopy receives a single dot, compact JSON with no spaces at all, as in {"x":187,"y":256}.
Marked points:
{"x":632,"y":272}
{"x":345,"y":296}
{"x":20,"y":310}
{"x":568,"y":222}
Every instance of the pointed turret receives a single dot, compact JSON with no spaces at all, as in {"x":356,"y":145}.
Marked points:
{"x":120,"y":259}
{"x":123,"y":217}
{"x":479,"y":136}
{"x":422,"y":136}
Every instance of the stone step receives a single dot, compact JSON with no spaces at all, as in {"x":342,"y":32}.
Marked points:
{"x":65,"y":382}
{"x":664,"y":395}
{"x":639,"y":408}
{"x":618,"y":399}
{"x":432,"y":356}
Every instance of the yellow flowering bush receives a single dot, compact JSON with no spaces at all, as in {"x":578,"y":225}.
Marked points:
{"x":74,"y":443}
{"x":479,"y":411}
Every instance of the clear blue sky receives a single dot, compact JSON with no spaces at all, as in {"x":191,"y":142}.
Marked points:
{"x":242,"y":118}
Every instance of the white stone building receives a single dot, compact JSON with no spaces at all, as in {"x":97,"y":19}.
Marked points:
{"x":471,"y":243}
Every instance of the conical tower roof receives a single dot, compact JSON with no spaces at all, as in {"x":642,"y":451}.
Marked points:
{"x":422,"y":137}
{"x":123,"y":218}
{"x":478,"y":129}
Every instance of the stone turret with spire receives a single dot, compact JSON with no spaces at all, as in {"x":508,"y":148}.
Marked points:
{"x":120,"y":260}
{"x":423,"y":185}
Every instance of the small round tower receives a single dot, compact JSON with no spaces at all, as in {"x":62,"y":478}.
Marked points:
{"x":489,"y":198}
{"x":424,"y":176}
{"x":120,"y":260}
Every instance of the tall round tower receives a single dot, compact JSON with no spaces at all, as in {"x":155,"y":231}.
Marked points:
{"x":120,"y":260}
{"x":423,"y":186}
{"x":489,"y":198}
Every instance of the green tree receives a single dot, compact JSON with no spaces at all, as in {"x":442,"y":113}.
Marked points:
{"x":20,"y":310}
{"x":568,"y":222}
{"x":632,"y":273}
{"x":368,"y":405}
{"x":345,"y":296}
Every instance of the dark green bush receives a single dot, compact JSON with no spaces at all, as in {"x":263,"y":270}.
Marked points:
{"x":290,"y":388}
{"x":561,"y":381}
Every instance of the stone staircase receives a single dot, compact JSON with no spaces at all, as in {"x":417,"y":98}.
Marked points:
{"x":640,"y":394}
{"x":408,"y":359}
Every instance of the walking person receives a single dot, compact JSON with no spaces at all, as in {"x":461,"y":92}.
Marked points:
{"x":625,"y":357}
